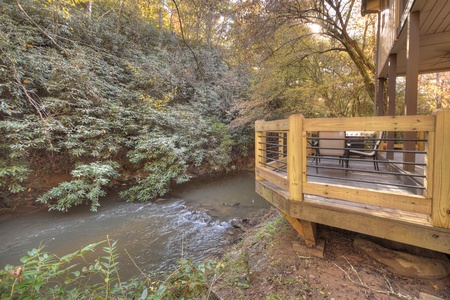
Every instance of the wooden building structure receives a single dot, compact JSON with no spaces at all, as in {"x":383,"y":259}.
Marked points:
{"x":413,"y":37}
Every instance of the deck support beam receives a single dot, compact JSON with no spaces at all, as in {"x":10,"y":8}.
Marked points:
{"x":379,"y":102}
{"x":392,"y":91}
{"x":412,"y":82}
{"x":306,"y":229}
{"x":358,"y":220}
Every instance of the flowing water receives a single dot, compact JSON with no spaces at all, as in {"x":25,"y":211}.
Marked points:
{"x":192,"y":222}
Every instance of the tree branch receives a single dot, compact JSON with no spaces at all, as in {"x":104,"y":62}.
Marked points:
{"x":40,"y":29}
{"x":184,"y":38}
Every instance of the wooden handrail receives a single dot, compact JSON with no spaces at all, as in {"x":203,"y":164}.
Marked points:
{"x":436,"y":199}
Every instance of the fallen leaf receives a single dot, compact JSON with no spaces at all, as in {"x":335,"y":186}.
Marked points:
{"x":16,"y":272}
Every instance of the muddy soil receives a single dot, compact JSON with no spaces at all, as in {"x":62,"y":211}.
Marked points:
{"x":344,"y":273}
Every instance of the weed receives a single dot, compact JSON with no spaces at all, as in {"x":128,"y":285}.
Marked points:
{"x":47,"y":276}
{"x":270,"y":229}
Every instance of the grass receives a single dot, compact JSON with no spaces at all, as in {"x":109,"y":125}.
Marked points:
{"x":271,"y":228}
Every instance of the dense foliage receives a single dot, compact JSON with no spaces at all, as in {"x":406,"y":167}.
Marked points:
{"x":81,"y":90}
{"x":156,"y":91}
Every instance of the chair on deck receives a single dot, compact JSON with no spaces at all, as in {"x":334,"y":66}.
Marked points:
{"x":331,"y":143}
{"x":372,"y":152}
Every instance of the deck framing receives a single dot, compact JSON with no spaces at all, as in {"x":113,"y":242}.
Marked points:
{"x":412,"y":229}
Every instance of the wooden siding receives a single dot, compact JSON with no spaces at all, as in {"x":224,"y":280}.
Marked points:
{"x":434,"y":36}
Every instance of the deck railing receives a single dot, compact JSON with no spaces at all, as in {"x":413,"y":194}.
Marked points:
{"x":285,"y":152}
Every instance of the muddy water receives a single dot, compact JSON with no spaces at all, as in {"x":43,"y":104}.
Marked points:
{"x":192,"y":222}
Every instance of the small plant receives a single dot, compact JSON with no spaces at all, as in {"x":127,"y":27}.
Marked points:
{"x":12,"y":177}
{"x":80,"y":276}
{"x":190,"y":279}
{"x":47,"y":276}
{"x":270,"y":229}
{"x":91,"y":179}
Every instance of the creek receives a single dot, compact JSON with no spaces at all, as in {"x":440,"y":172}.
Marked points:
{"x":192,"y":222}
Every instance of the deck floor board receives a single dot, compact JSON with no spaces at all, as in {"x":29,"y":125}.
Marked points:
{"x":353,"y":176}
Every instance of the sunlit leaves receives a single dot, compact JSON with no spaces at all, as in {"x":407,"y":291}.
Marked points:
{"x":88,"y":185}
{"x":120,"y":91}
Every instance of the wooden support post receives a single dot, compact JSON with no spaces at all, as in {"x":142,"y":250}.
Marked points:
{"x":392,"y":91}
{"x":260,"y":149}
{"x":307,"y":230}
{"x":412,"y":82}
{"x":310,"y":230}
{"x":379,"y":107}
{"x":281,"y":146}
{"x":440,"y":214}
{"x":421,"y":144}
{"x":296,"y":172}
{"x":295,"y":157}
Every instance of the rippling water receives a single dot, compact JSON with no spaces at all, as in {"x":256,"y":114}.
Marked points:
{"x":193,"y":222}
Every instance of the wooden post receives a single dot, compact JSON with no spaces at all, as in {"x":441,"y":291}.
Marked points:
{"x":392,"y":91}
{"x":306,"y":229}
{"x":295,"y":157}
{"x":440,"y":214}
{"x":379,"y":106}
{"x":421,"y":144}
{"x":412,"y":82}
{"x":281,"y":148}
{"x":309,"y":230}
{"x":260,"y":149}
{"x":296,"y":172}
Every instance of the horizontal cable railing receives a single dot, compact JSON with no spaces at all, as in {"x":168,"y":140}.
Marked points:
{"x":273,"y":151}
{"x":363,"y":161}
{"x":402,"y":169}
{"x":349,"y":169}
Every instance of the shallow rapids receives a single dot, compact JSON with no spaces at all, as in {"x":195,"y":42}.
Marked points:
{"x":192,"y":222}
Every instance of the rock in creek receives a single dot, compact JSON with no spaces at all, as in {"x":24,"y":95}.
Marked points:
{"x":237,"y":223}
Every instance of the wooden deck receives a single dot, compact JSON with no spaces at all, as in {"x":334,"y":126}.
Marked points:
{"x":378,"y":203}
{"x":349,"y":177}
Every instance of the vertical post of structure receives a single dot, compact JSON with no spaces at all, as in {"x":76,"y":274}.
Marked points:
{"x":281,"y":147}
{"x":295,"y":157}
{"x":440,"y":214}
{"x":412,"y":78}
{"x":379,"y":111}
{"x":392,"y":90}
{"x":260,"y":147}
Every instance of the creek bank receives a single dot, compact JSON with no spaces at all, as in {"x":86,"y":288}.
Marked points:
{"x":262,"y":264}
{"x":37,"y":184}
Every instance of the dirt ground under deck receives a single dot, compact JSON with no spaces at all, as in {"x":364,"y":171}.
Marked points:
{"x":262,"y":264}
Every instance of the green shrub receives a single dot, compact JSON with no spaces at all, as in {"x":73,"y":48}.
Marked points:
{"x":108,"y":86}
{"x":89,"y":186}
{"x":12,"y":177}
